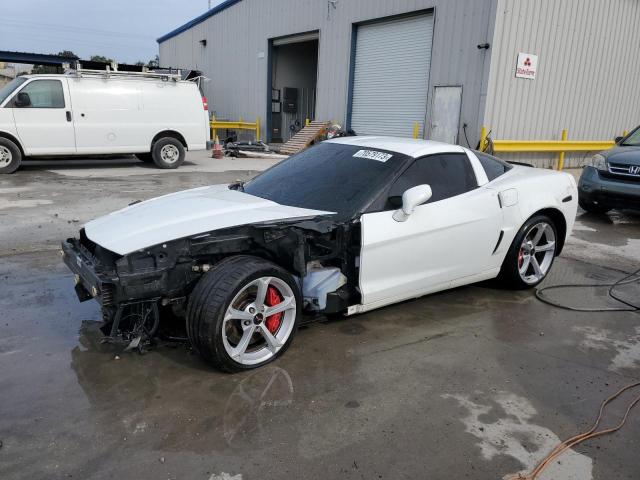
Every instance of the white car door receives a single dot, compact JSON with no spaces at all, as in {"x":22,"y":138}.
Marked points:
{"x":42,"y":115}
{"x":449,"y":238}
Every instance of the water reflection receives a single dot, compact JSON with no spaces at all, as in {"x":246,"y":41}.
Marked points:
{"x":255,"y":401}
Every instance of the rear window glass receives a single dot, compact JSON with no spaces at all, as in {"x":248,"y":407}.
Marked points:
{"x":493,"y":167}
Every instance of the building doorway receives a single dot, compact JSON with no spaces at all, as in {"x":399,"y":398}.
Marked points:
{"x":292,"y":84}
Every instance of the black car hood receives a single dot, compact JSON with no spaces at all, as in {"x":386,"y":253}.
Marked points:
{"x":626,"y":155}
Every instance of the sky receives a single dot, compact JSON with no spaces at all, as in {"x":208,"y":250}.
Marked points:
{"x":124,"y":30}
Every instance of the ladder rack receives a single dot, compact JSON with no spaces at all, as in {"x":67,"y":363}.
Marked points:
{"x":108,"y":73}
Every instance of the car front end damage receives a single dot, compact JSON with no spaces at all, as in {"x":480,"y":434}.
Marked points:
{"x":134,"y":290}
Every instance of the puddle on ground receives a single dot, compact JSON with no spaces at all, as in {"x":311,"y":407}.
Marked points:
{"x":626,"y":348}
{"x":503,"y":425}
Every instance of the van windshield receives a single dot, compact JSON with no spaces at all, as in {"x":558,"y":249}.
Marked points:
{"x":10,"y":87}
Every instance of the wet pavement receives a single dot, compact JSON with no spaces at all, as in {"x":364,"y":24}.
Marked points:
{"x":477,"y":382}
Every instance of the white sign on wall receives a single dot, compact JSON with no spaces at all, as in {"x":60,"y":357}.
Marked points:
{"x":527,"y":66}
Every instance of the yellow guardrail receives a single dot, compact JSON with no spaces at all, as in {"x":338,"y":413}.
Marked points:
{"x":231,"y":125}
{"x":545,"y":146}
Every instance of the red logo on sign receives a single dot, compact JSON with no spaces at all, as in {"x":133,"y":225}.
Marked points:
{"x":527,"y":62}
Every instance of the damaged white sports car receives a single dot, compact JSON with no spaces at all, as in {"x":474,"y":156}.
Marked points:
{"x":347,"y":226}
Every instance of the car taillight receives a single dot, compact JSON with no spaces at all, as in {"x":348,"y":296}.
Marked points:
{"x":204,"y":103}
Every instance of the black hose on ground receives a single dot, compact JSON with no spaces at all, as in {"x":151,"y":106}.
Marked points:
{"x":629,"y":307}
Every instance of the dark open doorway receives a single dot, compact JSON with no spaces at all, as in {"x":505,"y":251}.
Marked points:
{"x":294,"y":71}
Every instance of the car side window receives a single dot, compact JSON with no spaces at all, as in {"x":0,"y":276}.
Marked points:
{"x":493,"y":167}
{"x":41,"y":94}
{"x":448,"y":175}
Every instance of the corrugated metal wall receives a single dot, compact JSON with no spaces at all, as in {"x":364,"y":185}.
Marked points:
{"x":235,"y":57}
{"x":588,"y":71}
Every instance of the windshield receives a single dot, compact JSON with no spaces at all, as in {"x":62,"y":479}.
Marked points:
{"x":10,"y":87}
{"x":633,"y":140}
{"x":330,"y":176}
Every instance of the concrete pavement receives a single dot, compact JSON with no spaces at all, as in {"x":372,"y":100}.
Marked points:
{"x":478,"y":382}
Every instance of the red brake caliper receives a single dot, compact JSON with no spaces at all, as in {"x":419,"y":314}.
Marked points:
{"x":273,"y":298}
{"x":520,"y":258}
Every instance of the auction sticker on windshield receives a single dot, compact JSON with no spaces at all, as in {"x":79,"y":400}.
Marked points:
{"x":373,"y":155}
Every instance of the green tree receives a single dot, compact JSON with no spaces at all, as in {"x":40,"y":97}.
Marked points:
{"x":154,"y":62}
{"x":100,"y":58}
{"x":52,"y":68}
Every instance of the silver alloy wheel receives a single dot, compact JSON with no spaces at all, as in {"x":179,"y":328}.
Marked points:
{"x":169,"y":153}
{"x":5,"y":156}
{"x":245,"y":334}
{"x":536,"y":253}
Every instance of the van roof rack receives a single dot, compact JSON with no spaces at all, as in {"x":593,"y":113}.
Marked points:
{"x":109,"y":73}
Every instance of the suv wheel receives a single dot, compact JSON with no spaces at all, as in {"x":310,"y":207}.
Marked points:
{"x":167,"y":153}
{"x":10,"y":156}
{"x":243,"y":314}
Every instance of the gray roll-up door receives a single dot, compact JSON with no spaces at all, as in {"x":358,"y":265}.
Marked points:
{"x":391,"y":76}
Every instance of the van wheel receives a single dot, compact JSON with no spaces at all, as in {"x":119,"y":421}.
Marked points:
{"x":10,"y":156}
{"x":243,"y":314}
{"x":168,"y":152}
{"x":145,"y":157}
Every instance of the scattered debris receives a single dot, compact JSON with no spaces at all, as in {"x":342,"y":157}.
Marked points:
{"x":234,"y":149}
{"x":305,"y":137}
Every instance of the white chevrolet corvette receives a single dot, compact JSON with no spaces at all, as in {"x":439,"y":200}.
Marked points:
{"x":347,"y":226}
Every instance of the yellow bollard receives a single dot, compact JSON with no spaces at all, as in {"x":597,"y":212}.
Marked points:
{"x":416,"y":130}
{"x":561,"y":154}
{"x":483,"y":138}
{"x":258,"y":129}
{"x":307,"y":122}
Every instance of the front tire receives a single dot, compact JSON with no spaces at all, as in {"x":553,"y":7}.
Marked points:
{"x":10,"y":156}
{"x":531,"y":254}
{"x":168,"y":153}
{"x":243,"y":314}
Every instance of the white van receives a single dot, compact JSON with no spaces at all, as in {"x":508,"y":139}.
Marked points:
{"x":155,"y":116}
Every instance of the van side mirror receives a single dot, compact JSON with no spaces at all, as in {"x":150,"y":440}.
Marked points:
{"x":411,"y":199}
{"x":22,"y":100}
{"x":618,"y":140}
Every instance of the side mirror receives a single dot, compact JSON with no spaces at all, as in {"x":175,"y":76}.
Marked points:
{"x":618,"y":140}
{"x":411,"y":199}
{"x":23,"y":100}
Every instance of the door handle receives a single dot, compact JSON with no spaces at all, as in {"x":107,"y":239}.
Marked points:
{"x":68,"y":116}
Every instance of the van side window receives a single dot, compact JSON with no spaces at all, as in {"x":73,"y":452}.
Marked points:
{"x":448,"y":174}
{"x":42,"y":94}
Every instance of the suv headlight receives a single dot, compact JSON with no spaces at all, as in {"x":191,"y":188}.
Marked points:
{"x":599,"y":162}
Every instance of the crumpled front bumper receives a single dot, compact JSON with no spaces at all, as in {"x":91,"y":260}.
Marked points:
{"x":89,"y":284}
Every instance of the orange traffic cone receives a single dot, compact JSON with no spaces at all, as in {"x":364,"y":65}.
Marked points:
{"x":217,"y":149}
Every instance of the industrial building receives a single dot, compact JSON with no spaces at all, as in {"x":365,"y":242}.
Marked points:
{"x":440,"y":69}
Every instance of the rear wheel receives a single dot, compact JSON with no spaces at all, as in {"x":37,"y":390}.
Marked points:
{"x":10,"y":156}
{"x":531,"y":254}
{"x":243,"y":313}
{"x":168,"y":153}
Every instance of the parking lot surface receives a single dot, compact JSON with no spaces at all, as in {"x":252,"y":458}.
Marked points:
{"x":478,"y":382}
